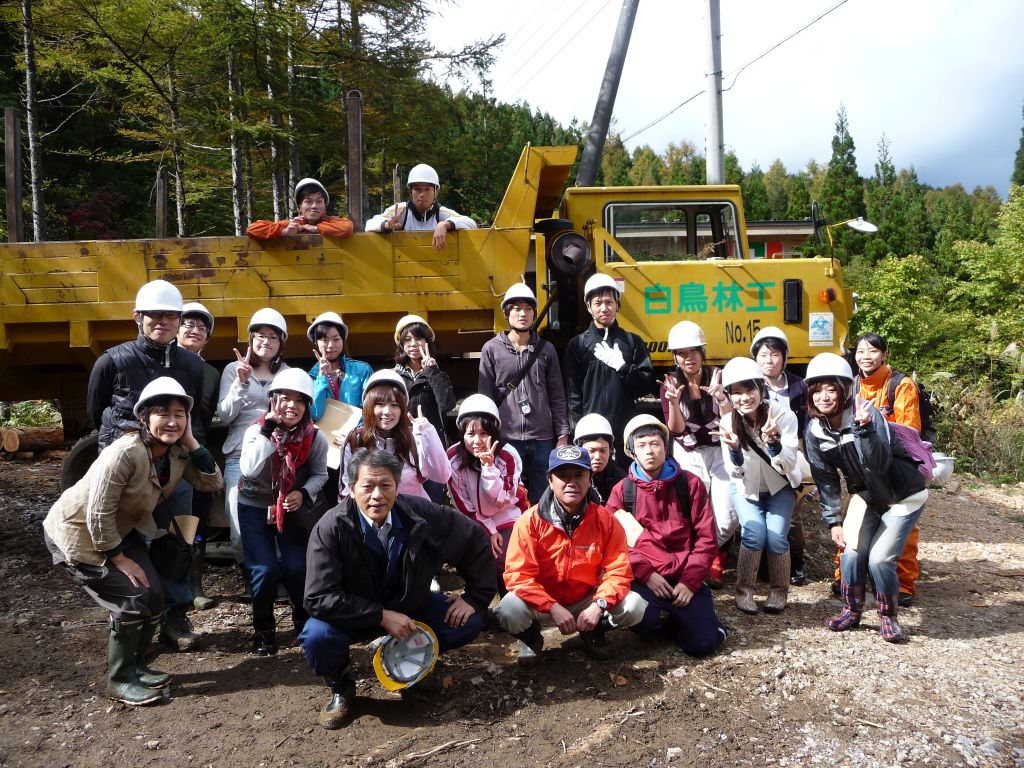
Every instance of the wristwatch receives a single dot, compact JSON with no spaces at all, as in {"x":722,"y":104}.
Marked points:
{"x":601,"y":603}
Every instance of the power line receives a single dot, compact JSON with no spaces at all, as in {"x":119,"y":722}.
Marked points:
{"x":556,"y":28}
{"x":736,"y":73}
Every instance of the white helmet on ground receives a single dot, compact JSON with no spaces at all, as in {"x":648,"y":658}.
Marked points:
{"x":741,"y":369}
{"x":601,"y":282}
{"x":423,"y":174}
{"x":295,"y":379}
{"x":518,"y":292}
{"x":593,"y":425}
{"x":475,"y":405}
{"x":408,"y":320}
{"x":164,"y":386}
{"x":195,"y":308}
{"x":271,"y":317}
{"x":305,"y":186}
{"x":643,"y":420}
{"x":158,"y":296}
{"x":771,"y":332}
{"x":686,"y":335}
{"x":828,"y":365}
{"x":328,"y":317}
{"x":387,"y":376}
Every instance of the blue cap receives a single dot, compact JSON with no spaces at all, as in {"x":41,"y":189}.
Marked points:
{"x":568,"y":455}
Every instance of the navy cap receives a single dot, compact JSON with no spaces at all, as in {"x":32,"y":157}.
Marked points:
{"x":568,"y":455}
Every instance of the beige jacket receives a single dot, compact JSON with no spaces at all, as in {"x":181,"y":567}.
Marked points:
{"x":117,"y":494}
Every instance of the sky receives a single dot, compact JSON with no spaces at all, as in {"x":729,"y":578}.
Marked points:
{"x":943,"y":80}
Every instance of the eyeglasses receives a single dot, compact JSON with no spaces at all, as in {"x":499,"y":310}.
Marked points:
{"x":265,"y":337}
{"x":163,"y":315}
{"x":195,"y":325}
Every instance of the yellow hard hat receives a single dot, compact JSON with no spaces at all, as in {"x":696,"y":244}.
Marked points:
{"x":401,"y":663}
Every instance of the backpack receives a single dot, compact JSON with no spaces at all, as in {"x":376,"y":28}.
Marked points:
{"x":919,"y":451}
{"x":629,"y":493}
{"x":924,"y":399}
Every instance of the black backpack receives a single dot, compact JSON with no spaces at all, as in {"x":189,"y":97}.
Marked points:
{"x":924,"y":399}
{"x":629,"y":493}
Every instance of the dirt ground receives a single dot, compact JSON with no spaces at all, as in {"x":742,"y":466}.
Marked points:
{"x":783,"y":692}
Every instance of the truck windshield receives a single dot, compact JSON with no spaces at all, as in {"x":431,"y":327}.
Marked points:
{"x":673,"y":231}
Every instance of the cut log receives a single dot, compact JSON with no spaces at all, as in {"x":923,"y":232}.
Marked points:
{"x":33,"y":438}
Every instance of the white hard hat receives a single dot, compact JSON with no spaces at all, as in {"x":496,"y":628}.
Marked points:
{"x":195,"y":308}
{"x":401,"y":663}
{"x":271,"y":317}
{"x":161,"y":387}
{"x":943,"y":467}
{"x":408,"y":320}
{"x":518,"y":292}
{"x":771,"y":332}
{"x":423,"y":174}
{"x":593,"y":425}
{"x":158,"y":296}
{"x":686,"y":335}
{"x":741,"y":369}
{"x":303,"y":183}
{"x":643,"y":420}
{"x":600,"y":282}
{"x":387,"y":376}
{"x":477,"y":404}
{"x":828,"y":365}
{"x":295,"y":379}
{"x":328,"y":317}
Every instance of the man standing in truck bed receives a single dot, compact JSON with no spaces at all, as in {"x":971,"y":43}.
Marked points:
{"x":312,"y":200}
{"x":606,"y":368}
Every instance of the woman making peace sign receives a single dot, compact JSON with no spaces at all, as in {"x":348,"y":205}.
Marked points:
{"x":759,"y":443}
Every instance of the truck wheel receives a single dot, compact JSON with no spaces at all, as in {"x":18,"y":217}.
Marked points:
{"x":79,"y":459}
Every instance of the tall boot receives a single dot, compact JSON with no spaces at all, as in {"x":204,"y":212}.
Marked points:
{"x":778,"y":582}
{"x":531,"y":643}
{"x":264,"y":640}
{"x":747,"y":563}
{"x":200,"y":601}
{"x":343,"y":695}
{"x":849,"y":617}
{"x":176,"y":631}
{"x":149,"y":677}
{"x":122,"y":675}
{"x":888,"y":606}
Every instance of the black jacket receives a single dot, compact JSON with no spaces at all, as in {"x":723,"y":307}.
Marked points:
{"x":596,"y":388}
{"x":341,"y":588}
{"x":122,"y":372}
{"x":604,"y":481}
{"x":433,"y":390}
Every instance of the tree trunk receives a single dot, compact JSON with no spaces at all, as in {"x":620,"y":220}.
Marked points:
{"x":32,"y":119}
{"x":293,"y":150}
{"x":237,"y":180}
{"x":32,"y":439}
{"x":177,"y":151}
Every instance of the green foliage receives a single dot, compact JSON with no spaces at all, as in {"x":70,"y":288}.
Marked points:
{"x":755,"y":195}
{"x":777,"y":184}
{"x":799,"y":206}
{"x":983,"y":432}
{"x":1017,"y":177}
{"x":647,"y":169}
{"x":29,"y":413}
{"x":842,"y":195}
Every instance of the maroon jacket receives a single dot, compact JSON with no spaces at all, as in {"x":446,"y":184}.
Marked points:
{"x":676,"y":543}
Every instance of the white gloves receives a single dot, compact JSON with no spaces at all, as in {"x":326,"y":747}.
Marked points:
{"x":610,"y":356}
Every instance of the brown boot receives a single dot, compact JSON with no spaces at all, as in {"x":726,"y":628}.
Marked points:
{"x":778,"y":582}
{"x":747,"y":563}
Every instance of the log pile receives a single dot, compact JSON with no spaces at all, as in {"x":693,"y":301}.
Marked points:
{"x":26,"y":442}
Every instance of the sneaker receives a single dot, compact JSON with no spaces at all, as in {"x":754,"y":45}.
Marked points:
{"x":596,"y":645}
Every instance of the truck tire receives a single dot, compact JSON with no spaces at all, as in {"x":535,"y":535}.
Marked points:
{"x":79,"y":459}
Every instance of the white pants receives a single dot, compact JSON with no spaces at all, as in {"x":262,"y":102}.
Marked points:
{"x":707,"y":463}
{"x":516,"y":616}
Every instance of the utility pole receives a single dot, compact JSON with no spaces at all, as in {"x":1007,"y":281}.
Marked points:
{"x":357,"y":201}
{"x":715,"y":142}
{"x":591,"y":159}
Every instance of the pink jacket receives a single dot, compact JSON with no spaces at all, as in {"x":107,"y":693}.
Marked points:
{"x":433,"y":462}
{"x":487,"y":496}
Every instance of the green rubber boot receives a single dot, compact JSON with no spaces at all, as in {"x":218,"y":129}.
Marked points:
{"x":122,"y":675}
{"x":149,"y":677}
{"x":200,"y":601}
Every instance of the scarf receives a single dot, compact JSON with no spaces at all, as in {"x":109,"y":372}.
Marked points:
{"x":291,"y":450}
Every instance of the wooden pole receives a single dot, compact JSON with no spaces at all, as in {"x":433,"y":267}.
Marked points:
{"x":161,"y":203}
{"x":12,"y":167}
{"x":356,"y":192}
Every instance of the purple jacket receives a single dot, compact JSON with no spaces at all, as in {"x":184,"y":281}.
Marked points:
{"x":542,"y":387}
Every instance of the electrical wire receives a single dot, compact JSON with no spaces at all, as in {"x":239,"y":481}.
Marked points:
{"x":507,"y":58}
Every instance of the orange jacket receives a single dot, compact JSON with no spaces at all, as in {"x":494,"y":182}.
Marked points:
{"x":331,"y":226}
{"x":906,"y":410}
{"x":543,"y":566}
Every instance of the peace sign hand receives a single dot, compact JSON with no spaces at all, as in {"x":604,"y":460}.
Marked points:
{"x":425,"y":359}
{"x":715,"y":387}
{"x":731,"y":439}
{"x":419,"y":420}
{"x":862,"y":415}
{"x":325,"y":364}
{"x":243,"y":369}
{"x":672,"y":390}
{"x":770,"y":431}
{"x":486,"y":455}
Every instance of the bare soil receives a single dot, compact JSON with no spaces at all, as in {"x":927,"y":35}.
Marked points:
{"x":784,"y":691}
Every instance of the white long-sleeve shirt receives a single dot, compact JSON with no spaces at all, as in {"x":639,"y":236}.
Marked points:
{"x":412,"y":223}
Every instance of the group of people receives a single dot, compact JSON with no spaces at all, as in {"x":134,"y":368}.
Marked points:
{"x":552,"y":491}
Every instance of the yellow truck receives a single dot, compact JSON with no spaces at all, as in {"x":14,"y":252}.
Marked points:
{"x":679,"y":252}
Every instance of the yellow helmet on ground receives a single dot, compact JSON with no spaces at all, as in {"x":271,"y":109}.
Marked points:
{"x":401,"y":663}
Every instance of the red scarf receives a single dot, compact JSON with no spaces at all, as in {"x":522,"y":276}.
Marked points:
{"x":291,"y":450}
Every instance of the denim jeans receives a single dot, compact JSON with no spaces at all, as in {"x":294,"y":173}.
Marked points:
{"x":326,"y":645}
{"x":179,"y":502}
{"x":232,"y":474}
{"x":261,"y":542}
{"x":695,"y":626}
{"x":534,"y":454}
{"x":874,"y":547}
{"x":764,"y":524}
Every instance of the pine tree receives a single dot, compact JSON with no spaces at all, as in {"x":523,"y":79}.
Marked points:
{"x":755,"y":195}
{"x":799,"y":206}
{"x":776,"y":182}
{"x":1018,"y":162}
{"x":842,"y":196}
{"x":647,"y":169}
